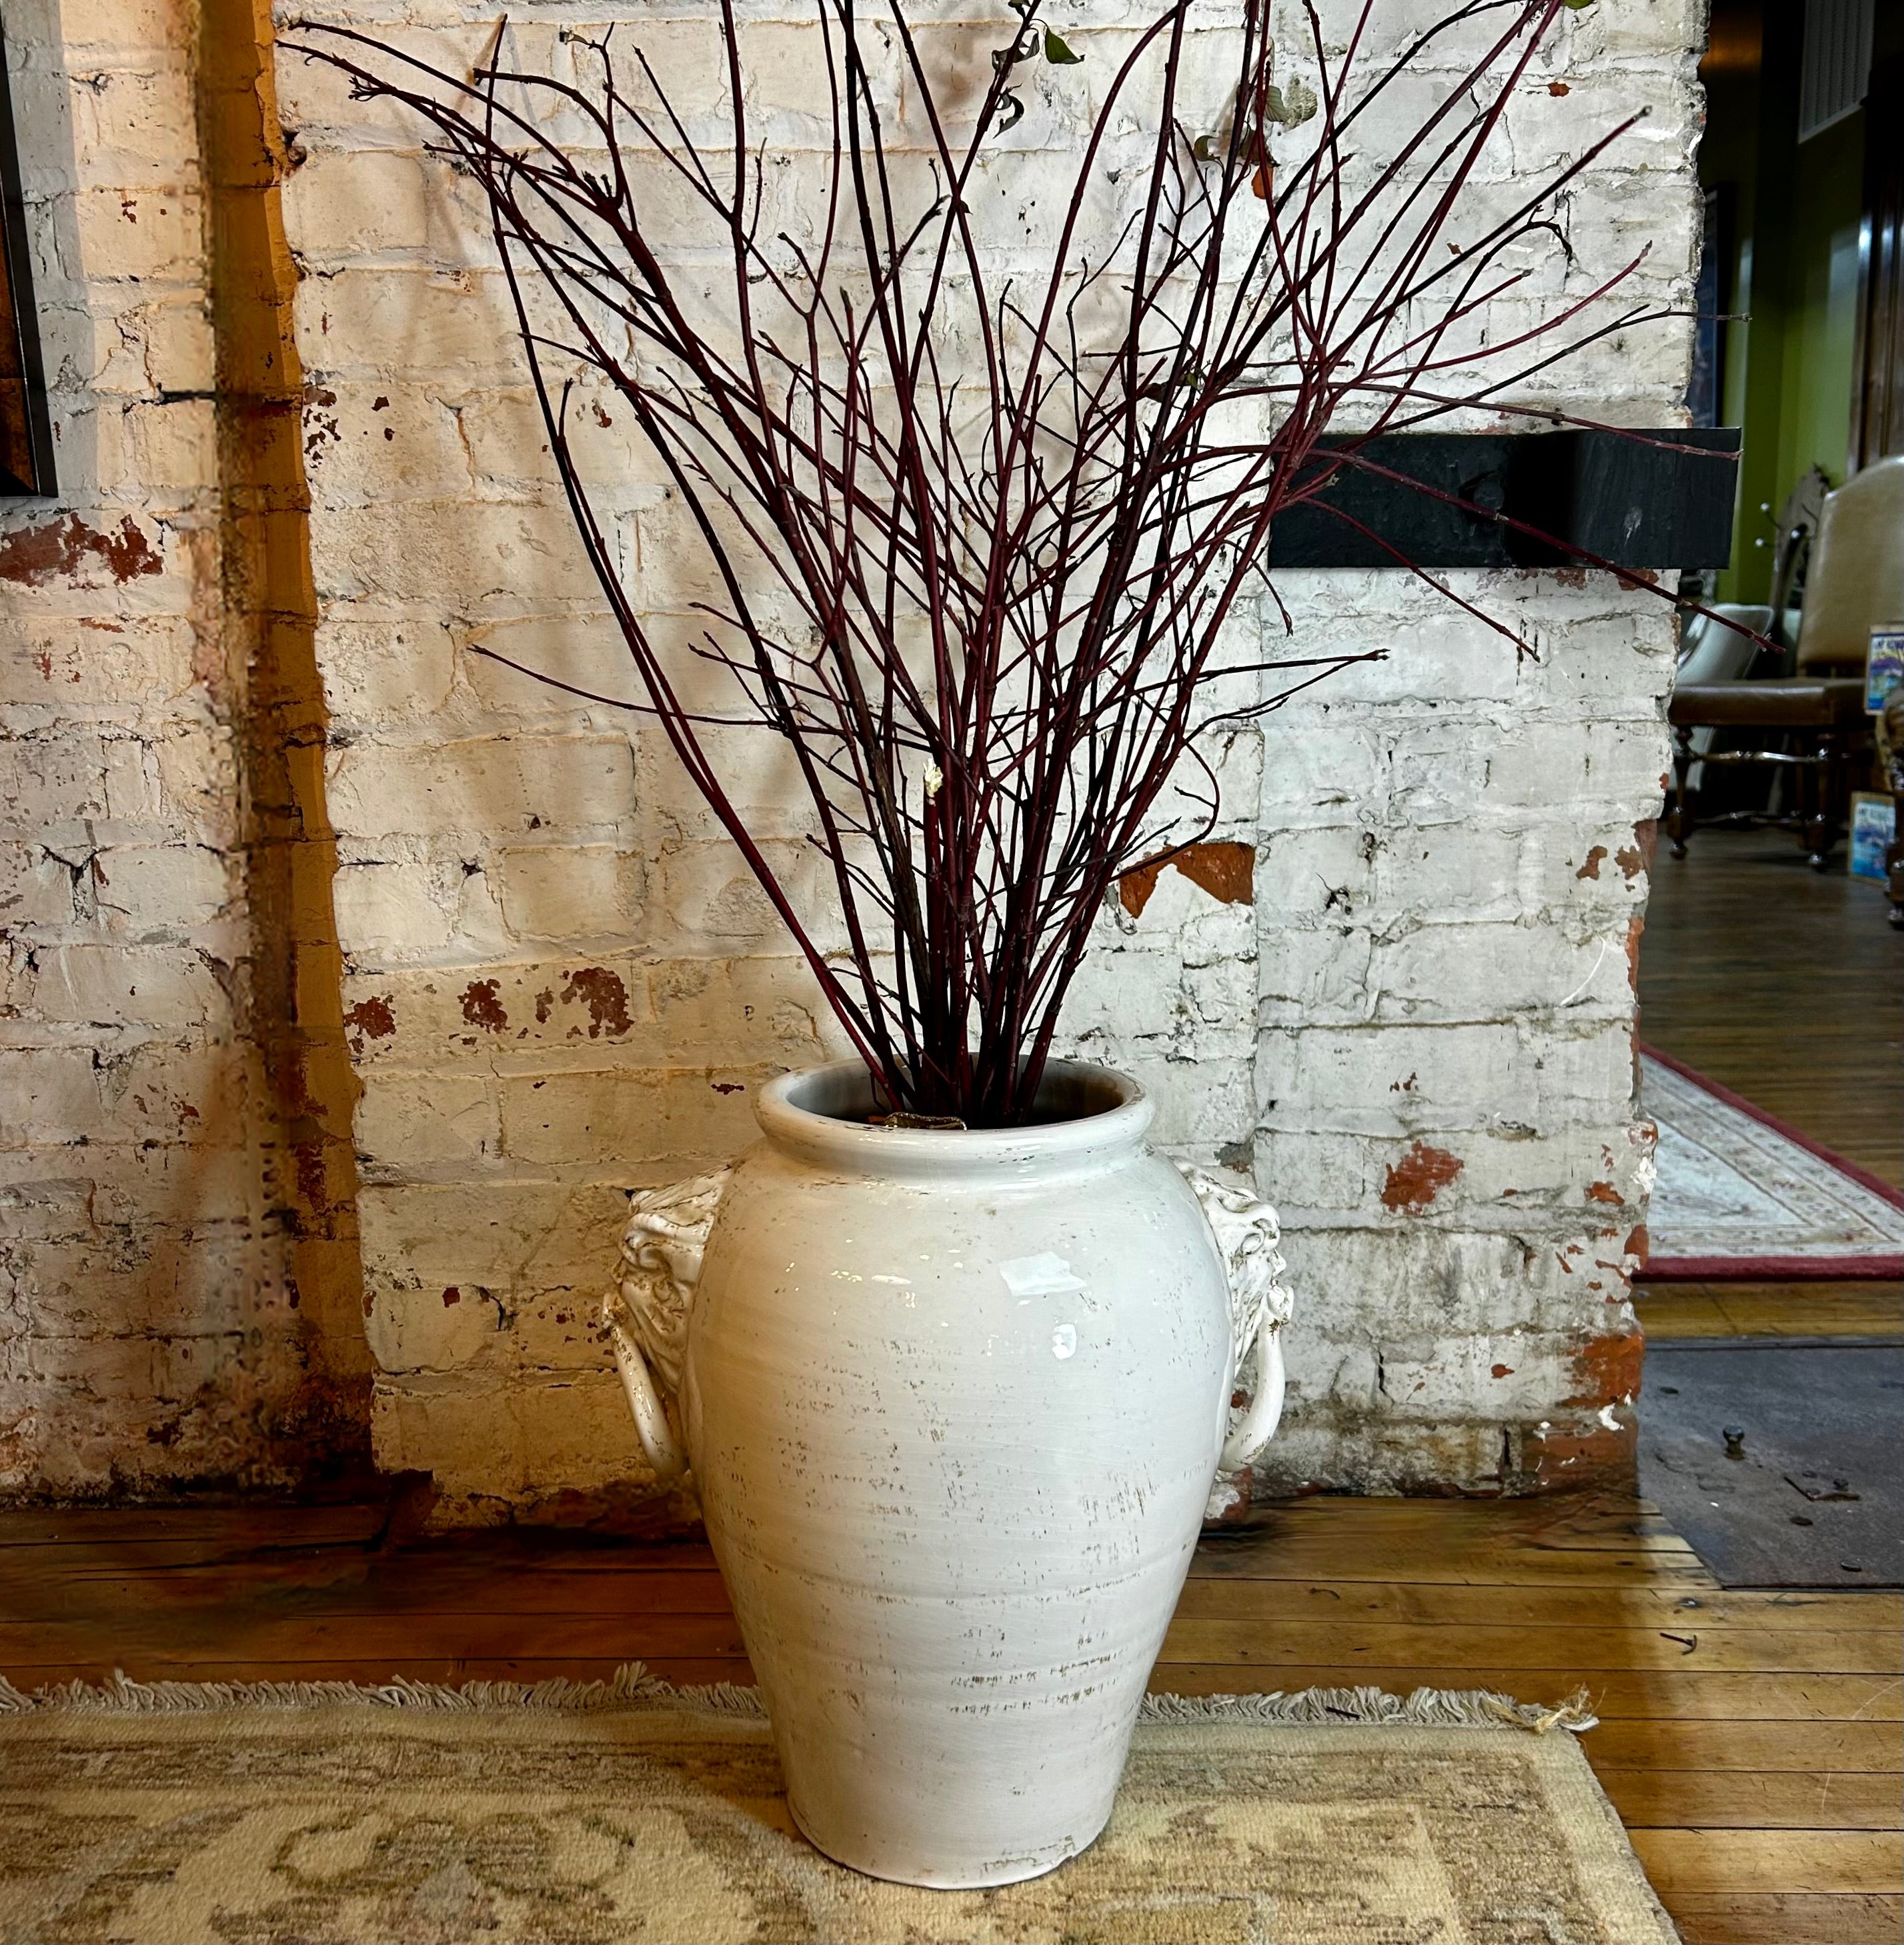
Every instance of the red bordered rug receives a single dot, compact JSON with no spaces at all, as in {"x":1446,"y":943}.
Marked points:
{"x":1743,"y":1197}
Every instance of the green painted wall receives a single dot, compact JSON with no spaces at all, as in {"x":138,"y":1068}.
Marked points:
{"x":1796,"y":210}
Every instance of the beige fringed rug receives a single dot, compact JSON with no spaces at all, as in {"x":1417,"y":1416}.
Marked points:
{"x":632,"y":1811}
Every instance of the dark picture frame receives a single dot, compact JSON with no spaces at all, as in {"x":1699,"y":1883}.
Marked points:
{"x":25,"y":430}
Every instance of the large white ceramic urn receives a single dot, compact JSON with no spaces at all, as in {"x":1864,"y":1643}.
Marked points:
{"x":954,"y":1402}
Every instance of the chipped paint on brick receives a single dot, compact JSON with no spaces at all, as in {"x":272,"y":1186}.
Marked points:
{"x":1421,"y":1174}
{"x":372,"y":1018}
{"x":1606,"y":1369}
{"x":1225,"y":871}
{"x":482,"y":1008}
{"x":607,"y":998}
{"x":70,"y":549}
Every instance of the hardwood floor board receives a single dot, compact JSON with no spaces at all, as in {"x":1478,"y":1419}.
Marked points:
{"x":86,"y":1551}
{"x":370,"y":1588}
{"x":159,"y":1557}
{"x":1751,"y":1918}
{"x":1679,"y":1573}
{"x":452,"y":1671}
{"x":395,"y":1640}
{"x":1784,"y":984}
{"x":1870,"y":1309}
{"x":223,"y":1527}
{"x":1444,"y":1603}
{"x":1875,"y":1311}
{"x":1679,"y":1310}
{"x":1729,"y":1861}
{"x":1818,"y":1747}
{"x":1565,"y":1520}
{"x":1481,"y":1544}
{"x":1753,"y":1799}
{"x":1250,"y":1644}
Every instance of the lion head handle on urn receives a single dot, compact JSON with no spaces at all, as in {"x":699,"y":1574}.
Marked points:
{"x":646,"y":1312}
{"x":1260,"y":1304}
{"x":647,"y":1307}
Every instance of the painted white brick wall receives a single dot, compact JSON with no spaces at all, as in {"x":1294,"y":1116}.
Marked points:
{"x":560,"y":982}
{"x":1449,"y":897}
{"x":148,"y":1335}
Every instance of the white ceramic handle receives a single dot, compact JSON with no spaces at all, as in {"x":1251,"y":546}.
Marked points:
{"x":658,"y":1443}
{"x":648,"y":1305}
{"x":1257,"y":1427}
{"x":1246,"y":1234}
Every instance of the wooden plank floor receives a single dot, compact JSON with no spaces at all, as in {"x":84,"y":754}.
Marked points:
{"x":1852,"y":1309}
{"x":1785,"y":984}
{"x":1751,"y":1742}
{"x":1788,"y":986}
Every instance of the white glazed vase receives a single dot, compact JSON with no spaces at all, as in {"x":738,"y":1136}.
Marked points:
{"x":954,"y":1402}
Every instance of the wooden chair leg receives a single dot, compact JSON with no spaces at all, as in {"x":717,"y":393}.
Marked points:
{"x":1679,"y":819}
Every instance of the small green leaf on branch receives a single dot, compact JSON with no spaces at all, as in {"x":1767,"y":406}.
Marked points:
{"x":1012,"y":112}
{"x":1058,"y":52}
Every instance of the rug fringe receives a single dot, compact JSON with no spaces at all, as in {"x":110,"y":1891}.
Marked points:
{"x":632,"y":1687}
{"x":1426,"y":1708}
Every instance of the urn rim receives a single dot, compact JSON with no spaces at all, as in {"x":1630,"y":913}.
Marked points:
{"x":1099,"y":1118}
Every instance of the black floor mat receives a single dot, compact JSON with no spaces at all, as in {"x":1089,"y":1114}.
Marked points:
{"x":1810,"y":1493}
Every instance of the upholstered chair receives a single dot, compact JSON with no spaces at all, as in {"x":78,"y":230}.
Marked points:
{"x":1812,"y":723}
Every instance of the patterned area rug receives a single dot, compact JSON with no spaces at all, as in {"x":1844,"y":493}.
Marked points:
{"x":1742,"y":1196}
{"x":632,"y":1812}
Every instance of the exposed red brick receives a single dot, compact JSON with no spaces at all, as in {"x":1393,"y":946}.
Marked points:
{"x":1421,"y":1175}
{"x":372,"y":1018}
{"x":1637,"y":1243}
{"x":1237,"y":1513}
{"x":1225,"y":870}
{"x":481,"y":1007}
{"x":1606,"y":1369}
{"x":34,"y":555}
{"x":1591,"y":869}
{"x":452,"y":1296}
{"x":602,"y":992}
{"x":1603,"y":1191}
{"x":1504,"y":1370}
{"x":1553,"y":1460}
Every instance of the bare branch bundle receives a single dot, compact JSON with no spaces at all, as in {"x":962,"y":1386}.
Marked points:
{"x":981,"y":512}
